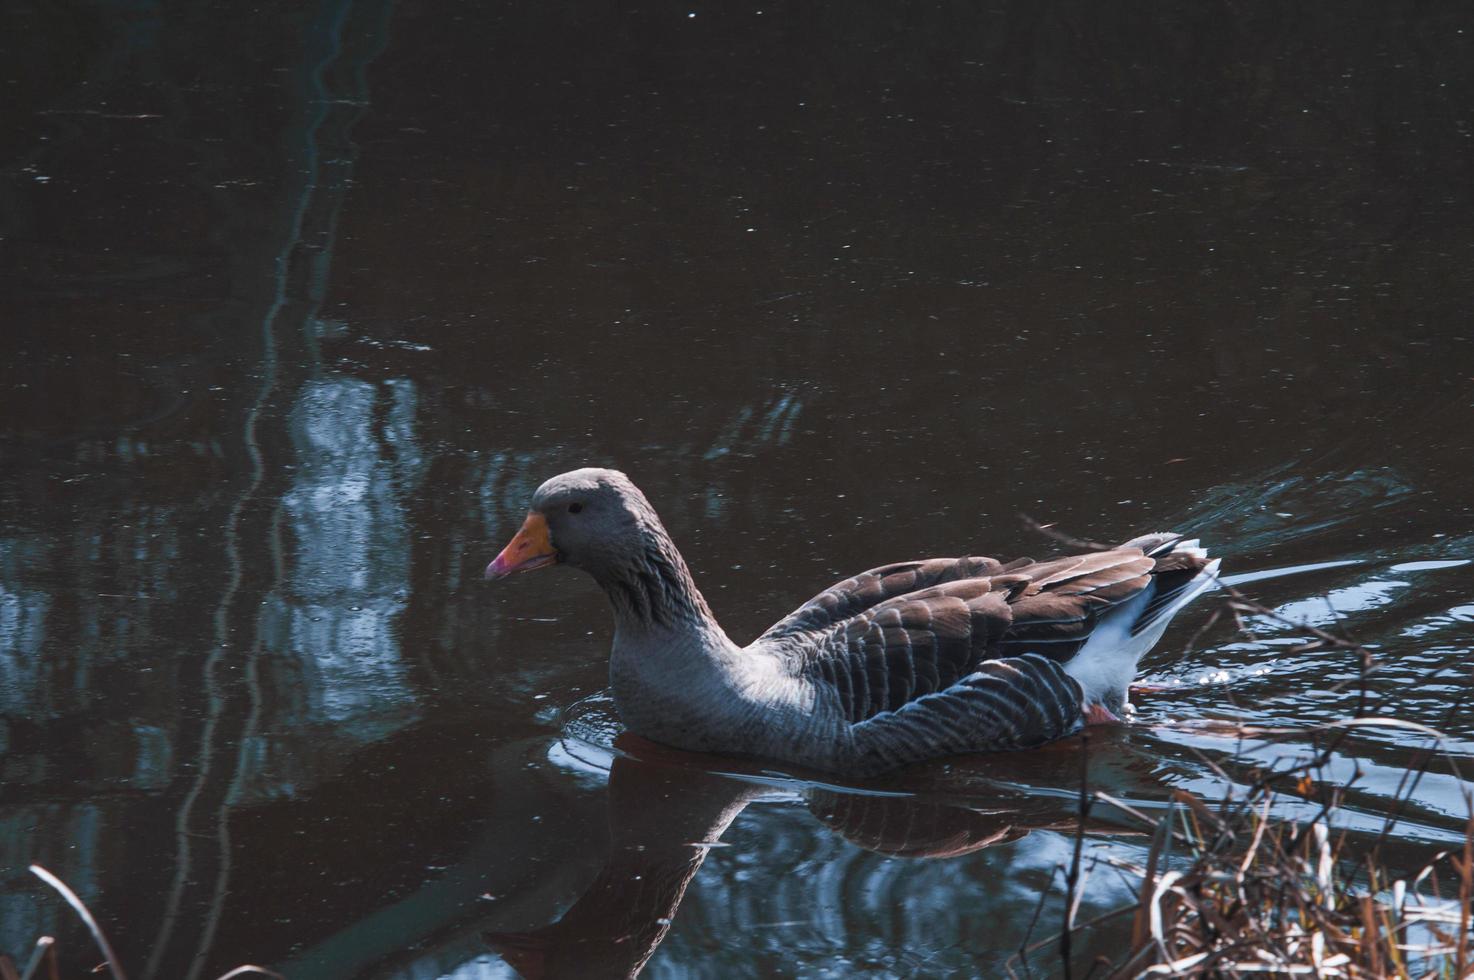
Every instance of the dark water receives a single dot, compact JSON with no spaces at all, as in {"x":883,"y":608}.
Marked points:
{"x":302,"y":300}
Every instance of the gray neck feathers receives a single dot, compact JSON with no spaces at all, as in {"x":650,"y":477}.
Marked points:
{"x":653,"y":588}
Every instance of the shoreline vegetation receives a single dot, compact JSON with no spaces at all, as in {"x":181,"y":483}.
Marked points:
{"x":43,"y":962}
{"x":1228,"y":890}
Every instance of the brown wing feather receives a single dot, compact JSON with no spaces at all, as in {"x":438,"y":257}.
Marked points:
{"x":909,"y":646}
{"x":1055,"y":615}
{"x":868,"y":589}
{"x":896,"y":633}
{"x":1083,"y":573}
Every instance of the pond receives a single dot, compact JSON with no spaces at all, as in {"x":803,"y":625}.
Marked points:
{"x":303,"y":303}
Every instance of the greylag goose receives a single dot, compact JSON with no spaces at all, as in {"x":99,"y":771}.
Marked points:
{"x":902,"y":663}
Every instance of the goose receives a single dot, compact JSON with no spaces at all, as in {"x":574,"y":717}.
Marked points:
{"x":903,"y":663}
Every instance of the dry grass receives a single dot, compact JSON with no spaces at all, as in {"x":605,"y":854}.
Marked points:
{"x":43,"y":963}
{"x":1259,"y":895}
{"x":1229,"y":889}
{"x":1232,"y":891}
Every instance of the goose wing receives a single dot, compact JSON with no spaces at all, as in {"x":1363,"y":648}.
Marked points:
{"x":896,"y":634}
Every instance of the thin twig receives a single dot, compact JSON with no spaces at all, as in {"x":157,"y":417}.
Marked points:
{"x":1072,"y":878}
{"x":1069,"y":541}
{"x":86,"y":916}
{"x":242,"y":970}
{"x":1023,"y":947}
{"x":46,"y":946}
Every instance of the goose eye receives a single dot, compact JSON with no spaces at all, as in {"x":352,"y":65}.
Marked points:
{"x":574,"y":508}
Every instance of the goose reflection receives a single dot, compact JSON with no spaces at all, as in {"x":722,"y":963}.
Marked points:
{"x":667,"y":809}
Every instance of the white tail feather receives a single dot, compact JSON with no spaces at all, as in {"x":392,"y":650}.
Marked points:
{"x":1106,"y":664}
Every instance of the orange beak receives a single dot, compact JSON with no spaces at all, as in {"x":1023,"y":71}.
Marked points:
{"x":531,"y":548}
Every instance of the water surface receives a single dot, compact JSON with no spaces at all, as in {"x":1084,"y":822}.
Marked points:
{"x":302,"y":303}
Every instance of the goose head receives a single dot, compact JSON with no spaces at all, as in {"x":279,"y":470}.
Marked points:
{"x":593,"y":519}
